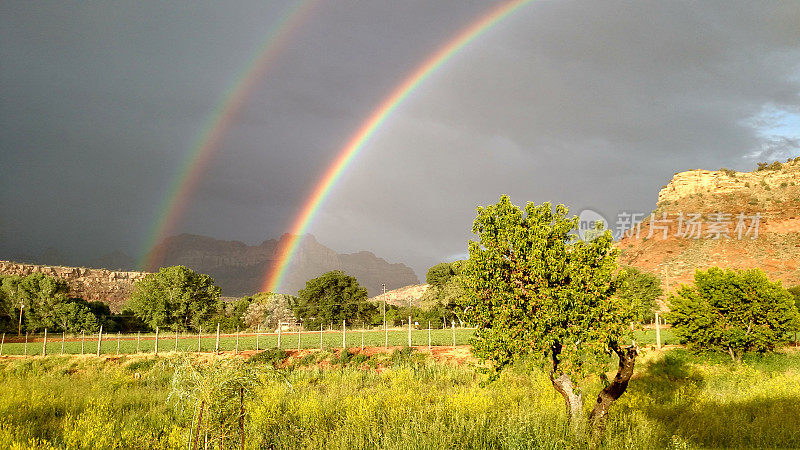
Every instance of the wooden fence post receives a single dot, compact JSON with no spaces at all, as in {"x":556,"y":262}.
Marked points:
{"x":409,"y":331}
{"x":138,"y":340}
{"x":429,"y":335}
{"x":44,"y":346}
{"x":280,"y":327}
{"x":119,"y":334}
{"x":62,"y":342}
{"x":299,"y":334}
{"x":3,"y":341}
{"x":258,"y":333}
{"x":100,"y":339}
{"x":199,"y":334}
{"x":26,"y":343}
{"x":236,"y":350}
{"x":658,"y":332}
{"x":83,"y":340}
{"x":216,"y":346}
{"x":320,"y":335}
{"x":363,"y":328}
{"x":453,"y":325}
{"x":344,"y":334}
{"x":155,"y":349}
{"x":176,"y":340}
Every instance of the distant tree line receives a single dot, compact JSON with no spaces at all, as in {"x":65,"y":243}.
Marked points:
{"x":37,"y":302}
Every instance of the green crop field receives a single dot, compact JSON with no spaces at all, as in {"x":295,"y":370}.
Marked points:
{"x":145,"y":343}
{"x":398,"y":400}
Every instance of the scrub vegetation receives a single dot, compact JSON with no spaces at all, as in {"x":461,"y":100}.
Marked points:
{"x":404,"y":399}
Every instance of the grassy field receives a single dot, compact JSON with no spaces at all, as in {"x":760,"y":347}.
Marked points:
{"x":129,"y":344}
{"x":400,"y":399}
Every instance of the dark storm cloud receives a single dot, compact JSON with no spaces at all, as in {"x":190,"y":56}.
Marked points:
{"x":593,"y":105}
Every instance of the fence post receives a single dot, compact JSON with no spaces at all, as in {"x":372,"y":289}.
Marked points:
{"x":363,"y":329}
{"x":176,"y":340}
{"x":44,"y":346}
{"x":83,"y":341}
{"x":155,"y":349}
{"x":299,"y":334}
{"x":138,"y":340}
{"x":26,"y":343}
{"x":199,"y":334}
{"x":453,"y":325}
{"x":3,"y":341}
{"x":409,"y":331}
{"x":320,"y":335}
{"x":100,"y":339}
{"x":236,"y":350}
{"x":658,"y":332}
{"x":118,"y":336}
{"x":62,"y":343}
{"x":216,"y":346}
{"x":258,"y":331}
{"x":429,"y":335}
{"x":279,"y":333}
{"x":344,"y":334}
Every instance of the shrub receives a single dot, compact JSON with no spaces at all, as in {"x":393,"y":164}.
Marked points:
{"x":733,"y":311}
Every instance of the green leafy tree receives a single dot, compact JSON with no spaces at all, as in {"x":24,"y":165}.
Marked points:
{"x":42,"y":295}
{"x":333,"y":297}
{"x":267,"y":309}
{"x":640,"y":290}
{"x":74,"y":317}
{"x":533,"y":289}
{"x":10,"y":292}
{"x":733,"y":311}
{"x":439,"y":274}
{"x":175,"y":297}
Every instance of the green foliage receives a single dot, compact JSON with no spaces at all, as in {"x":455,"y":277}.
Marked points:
{"x":267,"y":309}
{"x":175,"y":297}
{"x":216,"y":389}
{"x":640,"y":290}
{"x":333,"y":297}
{"x":767,"y":166}
{"x":42,"y":295}
{"x":439,"y":274}
{"x":534,"y":288}
{"x":733,"y":311}
{"x":74,"y":317}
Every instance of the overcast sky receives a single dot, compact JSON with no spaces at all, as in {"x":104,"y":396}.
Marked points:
{"x":590,"y":104}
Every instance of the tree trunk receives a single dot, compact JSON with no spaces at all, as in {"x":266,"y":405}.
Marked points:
{"x":599,"y":414}
{"x":572,"y":400}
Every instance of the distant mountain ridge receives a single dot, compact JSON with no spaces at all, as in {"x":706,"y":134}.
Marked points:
{"x":240,"y":268}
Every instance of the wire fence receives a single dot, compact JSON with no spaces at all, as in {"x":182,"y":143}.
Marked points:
{"x":287,"y":336}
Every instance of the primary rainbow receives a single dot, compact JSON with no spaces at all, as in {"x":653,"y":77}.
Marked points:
{"x":194,"y":163}
{"x":273,"y":278}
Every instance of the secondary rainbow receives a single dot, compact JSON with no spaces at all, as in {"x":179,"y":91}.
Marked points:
{"x":274,"y":277}
{"x":208,"y":142}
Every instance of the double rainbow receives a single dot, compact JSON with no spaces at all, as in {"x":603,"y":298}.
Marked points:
{"x":208,"y":142}
{"x":274,"y":276}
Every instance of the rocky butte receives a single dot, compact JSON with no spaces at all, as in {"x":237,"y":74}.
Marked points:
{"x":739,"y":220}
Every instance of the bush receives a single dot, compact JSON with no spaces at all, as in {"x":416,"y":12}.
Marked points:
{"x":733,"y":311}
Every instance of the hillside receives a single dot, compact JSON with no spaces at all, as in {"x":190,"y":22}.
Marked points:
{"x":722,"y":218}
{"x":404,"y":296}
{"x":240,"y":268}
